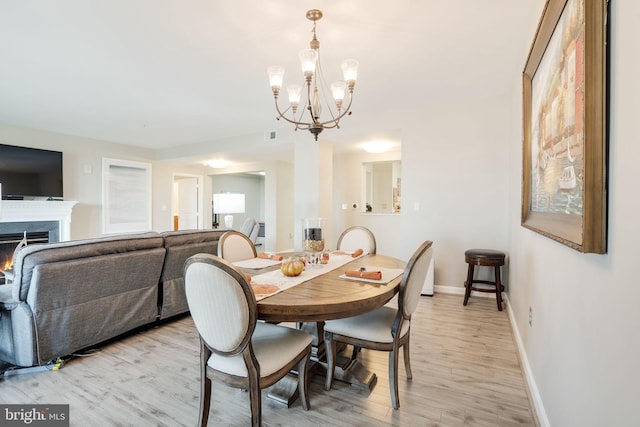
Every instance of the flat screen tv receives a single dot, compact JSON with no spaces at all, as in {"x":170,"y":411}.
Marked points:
{"x":30,"y":173}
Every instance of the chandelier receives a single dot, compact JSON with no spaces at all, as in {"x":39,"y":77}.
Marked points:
{"x":310,"y":117}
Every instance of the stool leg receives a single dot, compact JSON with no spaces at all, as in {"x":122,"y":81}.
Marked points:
{"x":468,"y":284}
{"x":498,"y":288}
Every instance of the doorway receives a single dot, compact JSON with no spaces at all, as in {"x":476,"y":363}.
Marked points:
{"x":187,"y":202}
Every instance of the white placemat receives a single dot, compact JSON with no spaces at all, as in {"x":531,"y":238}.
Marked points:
{"x":388,"y":274}
{"x":256,"y":263}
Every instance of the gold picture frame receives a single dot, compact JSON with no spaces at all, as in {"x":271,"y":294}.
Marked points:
{"x":564,"y":185}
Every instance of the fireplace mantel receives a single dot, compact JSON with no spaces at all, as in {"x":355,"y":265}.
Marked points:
{"x":39,"y":210}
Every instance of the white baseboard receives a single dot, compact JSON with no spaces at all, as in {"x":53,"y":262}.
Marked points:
{"x":457,"y":290}
{"x":534,"y":393}
{"x":532,"y":387}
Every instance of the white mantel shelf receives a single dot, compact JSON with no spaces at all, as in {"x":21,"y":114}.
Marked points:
{"x":39,"y":210}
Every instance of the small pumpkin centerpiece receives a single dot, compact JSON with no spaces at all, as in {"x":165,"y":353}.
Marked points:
{"x":292,"y":267}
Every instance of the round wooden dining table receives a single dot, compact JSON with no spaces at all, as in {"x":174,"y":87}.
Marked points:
{"x":328,"y":296}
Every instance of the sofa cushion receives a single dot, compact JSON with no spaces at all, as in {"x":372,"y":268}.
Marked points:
{"x":33,"y":255}
{"x":78,"y":303}
{"x":180,"y":245}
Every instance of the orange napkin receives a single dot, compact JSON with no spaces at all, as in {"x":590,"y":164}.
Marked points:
{"x":357,"y":253}
{"x":370,"y":275}
{"x":265,"y":255}
{"x":260,"y":289}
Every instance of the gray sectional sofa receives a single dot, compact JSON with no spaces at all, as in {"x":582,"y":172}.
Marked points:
{"x":68,"y":296}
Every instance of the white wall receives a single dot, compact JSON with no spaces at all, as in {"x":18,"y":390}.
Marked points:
{"x":582,"y":350}
{"x":347,"y":189}
{"x":162,"y":189}
{"x":86,"y":186}
{"x":279,"y":192}
{"x":454,"y":162}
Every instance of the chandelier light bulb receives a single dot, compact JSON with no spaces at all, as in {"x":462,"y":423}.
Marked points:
{"x":338,"y":90}
{"x":308,"y":58}
{"x":276,"y":76}
{"x":294,"y":92}
{"x":350,"y":70}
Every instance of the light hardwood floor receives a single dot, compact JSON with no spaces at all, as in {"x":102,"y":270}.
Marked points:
{"x":465,"y":372}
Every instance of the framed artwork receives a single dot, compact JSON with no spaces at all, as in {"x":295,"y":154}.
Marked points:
{"x":564,"y":185}
{"x":126,"y":196}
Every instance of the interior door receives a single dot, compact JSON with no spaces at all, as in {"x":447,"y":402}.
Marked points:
{"x":187,"y":203}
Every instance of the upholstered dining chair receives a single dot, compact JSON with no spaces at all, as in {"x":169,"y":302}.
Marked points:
{"x":235,"y":348}
{"x":386,"y":328}
{"x":235,"y":246}
{"x":357,"y":237}
{"x":250,"y":228}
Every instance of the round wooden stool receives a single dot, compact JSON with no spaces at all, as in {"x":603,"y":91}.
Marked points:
{"x":484,"y":258}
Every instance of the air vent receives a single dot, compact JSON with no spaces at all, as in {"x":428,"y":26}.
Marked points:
{"x":270,"y":135}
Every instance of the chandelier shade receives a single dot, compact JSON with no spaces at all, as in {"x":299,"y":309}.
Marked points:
{"x":310,"y":116}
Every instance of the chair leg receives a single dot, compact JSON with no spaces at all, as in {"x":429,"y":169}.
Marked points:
{"x":393,"y":377}
{"x":303,"y":367}
{"x":205,"y":386}
{"x":331,"y":359}
{"x":205,"y":400}
{"x":468,"y":284}
{"x":498,"y":288}
{"x":255,"y":397}
{"x":406,"y":353}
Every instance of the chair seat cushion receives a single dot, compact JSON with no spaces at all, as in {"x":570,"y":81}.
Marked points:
{"x":274,"y":347}
{"x":373,"y":326}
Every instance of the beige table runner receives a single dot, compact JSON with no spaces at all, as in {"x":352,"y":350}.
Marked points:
{"x":279,"y":282}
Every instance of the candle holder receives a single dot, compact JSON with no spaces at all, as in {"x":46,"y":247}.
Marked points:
{"x":313,"y":239}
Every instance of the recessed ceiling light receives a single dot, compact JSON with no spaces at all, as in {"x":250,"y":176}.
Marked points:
{"x":218,"y":163}
{"x":377,"y":146}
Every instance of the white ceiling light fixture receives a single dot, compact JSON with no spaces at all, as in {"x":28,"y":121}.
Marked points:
{"x":218,"y":163}
{"x":316,"y":89}
{"x":377,"y":146}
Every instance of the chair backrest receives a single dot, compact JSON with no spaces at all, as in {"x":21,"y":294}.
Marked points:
{"x":253,"y":235}
{"x":413,"y":279}
{"x":221,"y":302}
{"x":250,"y":228}
{"x":357,"y":237}
{"x":247,"y":226}
{"x":235,"y":246}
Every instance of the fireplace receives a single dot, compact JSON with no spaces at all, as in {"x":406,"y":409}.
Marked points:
{"x":43,"y":221}
{"x":13,"y":232}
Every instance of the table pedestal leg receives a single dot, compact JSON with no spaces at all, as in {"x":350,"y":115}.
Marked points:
{"x":354,"y":373}
{"x":347,"y":370}
{"x":285,"y":391}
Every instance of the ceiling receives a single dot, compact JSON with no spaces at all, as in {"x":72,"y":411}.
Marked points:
{"x":167,"y":74}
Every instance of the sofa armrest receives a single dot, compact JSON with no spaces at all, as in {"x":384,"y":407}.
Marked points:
{"x":7,"y":302}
